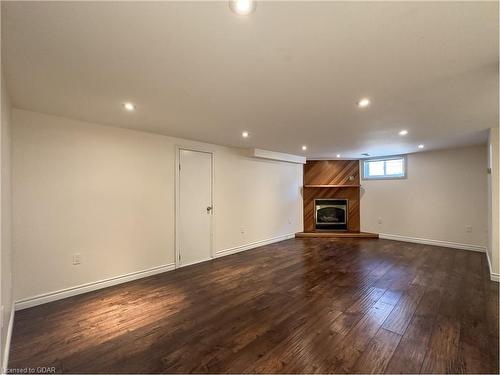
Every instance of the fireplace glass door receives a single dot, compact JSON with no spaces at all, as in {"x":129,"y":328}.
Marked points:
{"x":331,"y":214}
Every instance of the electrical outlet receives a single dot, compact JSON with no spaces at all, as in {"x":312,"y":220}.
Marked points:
{"x":379,"y":220}
{"x":468,"y":228}
{"x":242,"y":230}
{"x":76,"y":259}
{"x":289,"y":220}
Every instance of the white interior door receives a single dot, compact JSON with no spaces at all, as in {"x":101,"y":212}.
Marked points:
{"x":195,"y":207}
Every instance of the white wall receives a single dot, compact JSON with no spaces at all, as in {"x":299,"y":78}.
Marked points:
{"x":493,"y":202}
{"x":108,"y":194}
{"x":5,"y":219}
{"x":445,"y":191}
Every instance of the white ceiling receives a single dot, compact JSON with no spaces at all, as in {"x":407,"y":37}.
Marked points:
{"x":290,"y":73}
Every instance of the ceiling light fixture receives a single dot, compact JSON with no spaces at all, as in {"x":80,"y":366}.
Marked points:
{"x":421,"y":146}
{"x":129,"y":106}
{"x":242,"y":7}
{"x":363,"y":103}
{"x":245,"y":134}
{"x":403,"y":132}
{"x":338,"y":155}
{"x":304,"y":148}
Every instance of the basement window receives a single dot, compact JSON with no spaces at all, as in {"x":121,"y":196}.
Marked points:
{"x":393,"y":167}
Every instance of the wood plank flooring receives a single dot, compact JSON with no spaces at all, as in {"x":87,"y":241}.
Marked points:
{"x":308,"y":305}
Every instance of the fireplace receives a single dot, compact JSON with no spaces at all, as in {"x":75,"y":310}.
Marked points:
{"x":330,"y":214}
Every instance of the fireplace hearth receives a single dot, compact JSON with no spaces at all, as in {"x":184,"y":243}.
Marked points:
{"x":331,"y":214}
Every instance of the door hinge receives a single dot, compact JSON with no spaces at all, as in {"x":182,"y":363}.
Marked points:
{"x":179,"y":167}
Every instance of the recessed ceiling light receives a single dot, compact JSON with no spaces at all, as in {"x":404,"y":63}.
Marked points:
{"x":403,"y":132}
{"x":338,"y":155}
{"x":242,"y":7}
{"x":421,"y":146}
{"x":245,"y":134}
{"x":129,"y":106}
{"x":363,"y":103}
{"x":304,"y":148}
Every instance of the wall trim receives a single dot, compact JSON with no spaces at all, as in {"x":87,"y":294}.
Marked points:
{"x":493,"y":276}
{"x":89,"y":287}
{"x":426,"y":241}
{"x":252,"y":245}
{"x":96,"y":285}
{"x":8,"y":338}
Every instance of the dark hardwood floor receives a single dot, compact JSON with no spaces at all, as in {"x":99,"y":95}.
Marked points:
{"x":298,"y":306}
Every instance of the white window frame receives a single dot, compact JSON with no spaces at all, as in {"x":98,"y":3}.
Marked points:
{"x":364,"y":170}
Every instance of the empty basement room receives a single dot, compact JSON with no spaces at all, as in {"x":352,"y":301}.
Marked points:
{"x":249,"y":187}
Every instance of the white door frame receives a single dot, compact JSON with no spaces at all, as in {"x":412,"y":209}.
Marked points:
{"x":178,"y":149}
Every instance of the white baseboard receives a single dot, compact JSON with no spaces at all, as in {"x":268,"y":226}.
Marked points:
{"x":89,"y":287}
{"x":253,"y":245}
{"x":8,"y":338}
{"x":426,"y":241}
{"x":493,"y":276}
{"x":84,"y":288}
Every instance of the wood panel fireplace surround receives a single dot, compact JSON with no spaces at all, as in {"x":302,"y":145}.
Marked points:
{"x":331,"y":197}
